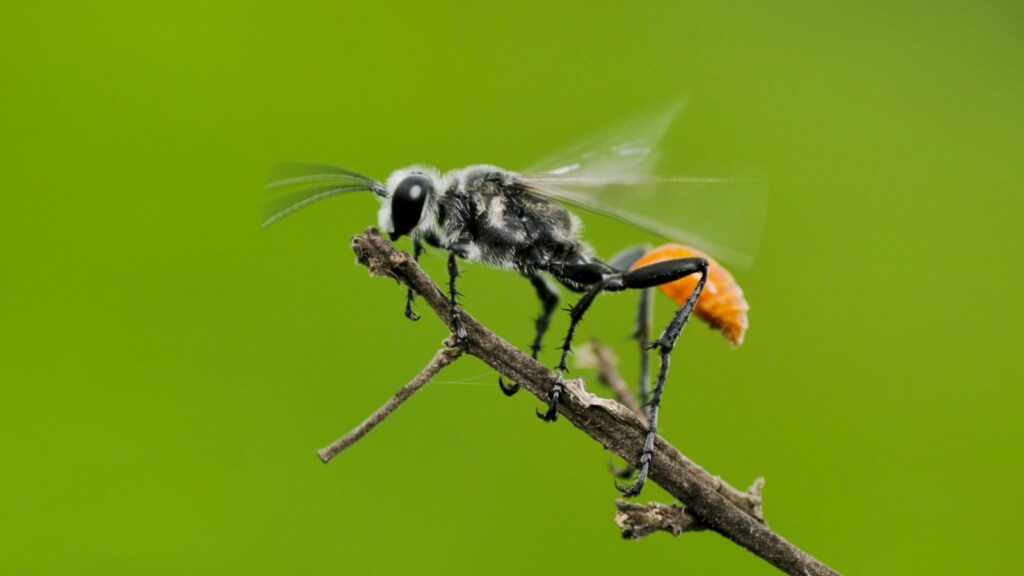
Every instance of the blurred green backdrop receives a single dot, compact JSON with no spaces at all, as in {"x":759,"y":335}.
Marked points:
{"x":169,"y":368}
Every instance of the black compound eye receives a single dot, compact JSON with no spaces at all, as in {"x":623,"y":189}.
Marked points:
{"x":407,"y":203}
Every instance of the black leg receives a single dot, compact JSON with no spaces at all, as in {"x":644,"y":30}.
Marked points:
{"x":665,"y":343}
{"x":623,"y":260}
{"x":642,"y":335}
{"x":575,"y":315}
{"x":548,"y":301}
{"x":599,"y":278}
{"x":453,"y":273}
{"x":509,"y":389}
{"x":593,"y":277}
{"x":417,"y":251}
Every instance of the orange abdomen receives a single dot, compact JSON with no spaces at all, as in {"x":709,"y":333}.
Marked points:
{"x":721,"y":304}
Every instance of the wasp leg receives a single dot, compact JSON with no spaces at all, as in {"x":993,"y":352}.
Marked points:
{"x":593,"y":277}
{"x":453,"y":273}
{"x":623,"y":260}
{"x":509,"y":389}
{"x":548,"y":301}
{"x":646,"y":277}
{"x":575,"y":315}
{"x":417,"y":251}
{"x":642,"y":335}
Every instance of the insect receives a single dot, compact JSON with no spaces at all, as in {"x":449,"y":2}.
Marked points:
{"x":517,"y":221}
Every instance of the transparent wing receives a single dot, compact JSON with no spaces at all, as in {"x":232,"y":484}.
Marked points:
{"x":623,"y":152}
{"x":613,"y":173}
{"x":311,"y":183}
{"x":724,"y":218}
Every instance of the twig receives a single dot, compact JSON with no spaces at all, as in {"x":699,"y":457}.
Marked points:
{"x":616,"y":427}
{"x":608,"y":373}
{"x":442,"y":358}
{"x":639,"y":520}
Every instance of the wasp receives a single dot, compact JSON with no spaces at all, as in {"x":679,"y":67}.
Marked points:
{"x":518,"y":221}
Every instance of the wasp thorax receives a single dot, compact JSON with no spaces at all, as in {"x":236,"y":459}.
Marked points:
{"x":407,"y":203}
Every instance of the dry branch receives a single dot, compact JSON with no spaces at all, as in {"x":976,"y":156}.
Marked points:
{"x":735,"y":515}
{"x":608,"y":374}
{"x":444,"y":357}
{"x":639,"y":520}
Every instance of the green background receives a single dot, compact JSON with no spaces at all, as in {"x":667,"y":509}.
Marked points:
{"x":168,"y":368}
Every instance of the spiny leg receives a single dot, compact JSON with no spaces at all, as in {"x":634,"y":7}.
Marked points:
{"x":575,"y":315}
{"x":624,"y":260}
{"x":417,"y":251}
{"x":593,"y":277}
{"x":548,"y":301}
{"x":665,"y":343}
{"x":453,"y":273}
{"x":642,"y":335}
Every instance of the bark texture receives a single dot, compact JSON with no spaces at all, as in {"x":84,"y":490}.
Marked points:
{"x":709,"y":502}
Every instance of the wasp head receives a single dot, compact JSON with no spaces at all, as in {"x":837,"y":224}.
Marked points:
{"x":410,"y":198}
